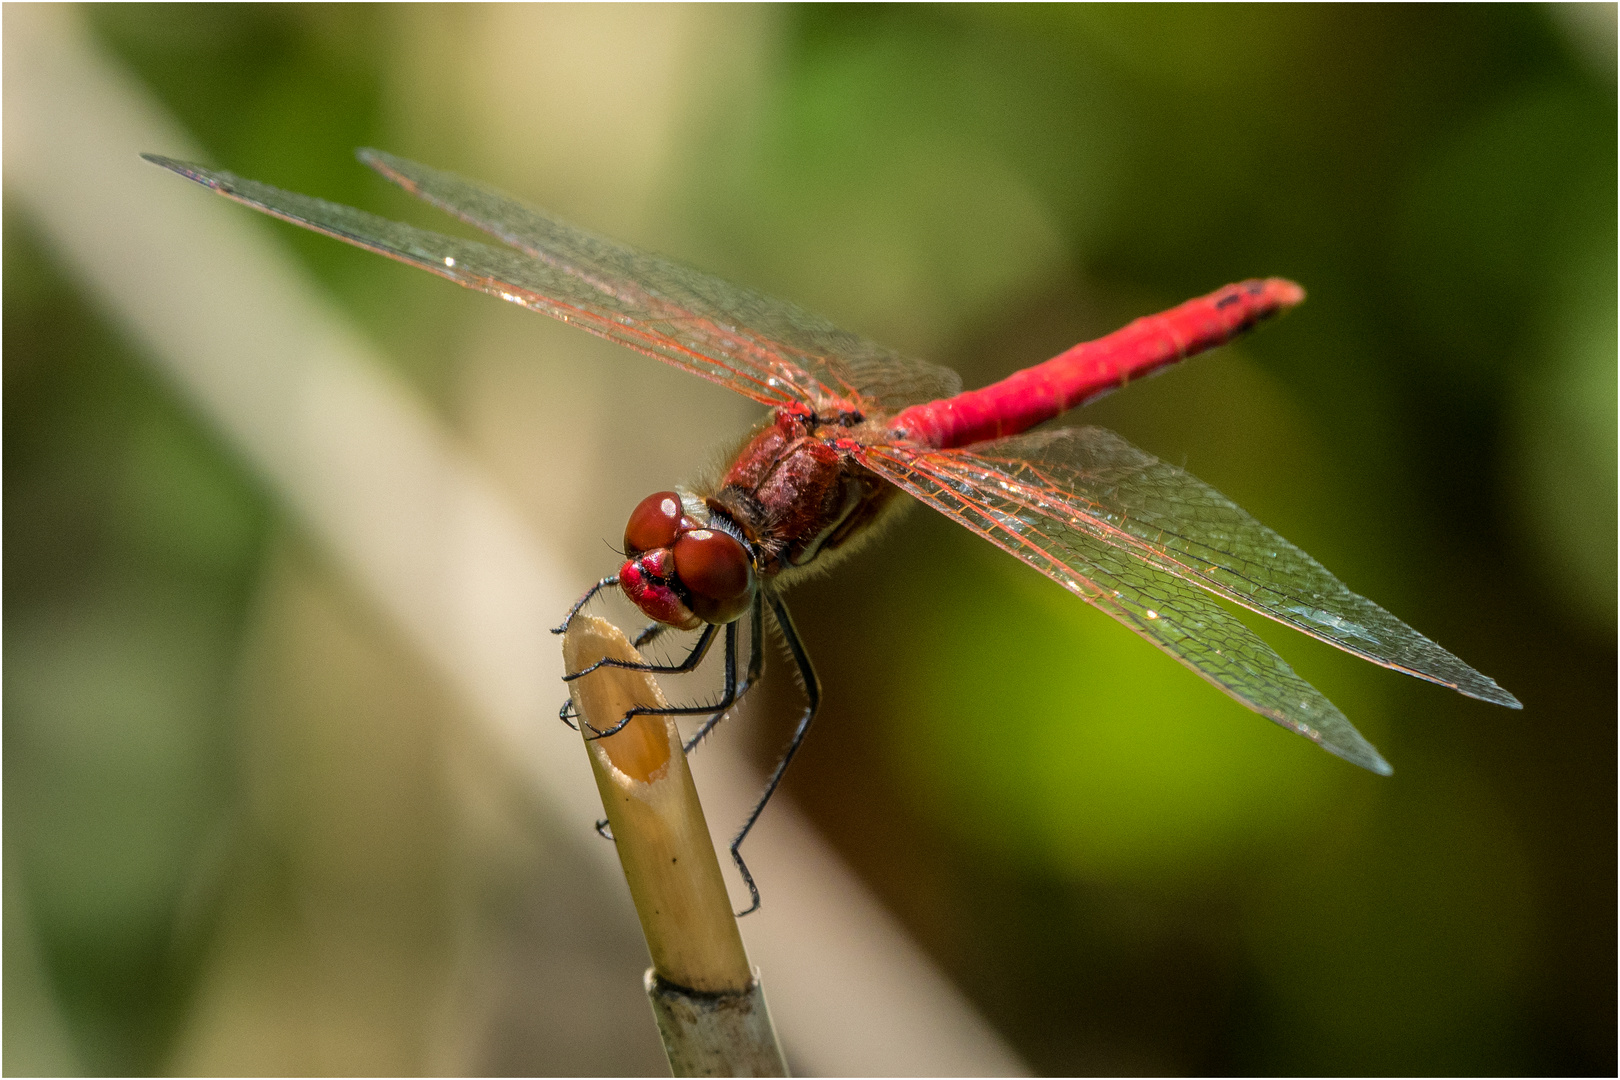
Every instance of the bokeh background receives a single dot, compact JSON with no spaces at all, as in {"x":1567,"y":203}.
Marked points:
{"x":224,"y":770}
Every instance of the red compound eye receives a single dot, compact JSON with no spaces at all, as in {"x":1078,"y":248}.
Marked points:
{"x":654,"y":523}
{"x":716,"y":570}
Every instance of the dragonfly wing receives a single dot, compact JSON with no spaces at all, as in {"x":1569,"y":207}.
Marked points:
{"x":1091,"y":482}
{"x":1165,"y":516}
{"x":737,"y":362}
{"x":685,"y":303}
{"x":1171,"y":613}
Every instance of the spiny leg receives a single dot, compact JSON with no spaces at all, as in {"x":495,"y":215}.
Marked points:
{"x":567,"y":714}
{"x":812,"y":693}
{"x":648,"y":632}
{"x":756,"y":668}
{"x":727,"y":699}
{"x":693,"y":659}
{"x":590,"y":594}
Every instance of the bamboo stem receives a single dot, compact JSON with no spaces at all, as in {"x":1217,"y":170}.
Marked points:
{"x":708,"y":1002}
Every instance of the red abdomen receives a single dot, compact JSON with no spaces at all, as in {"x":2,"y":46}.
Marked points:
{"x":1093,"y":368}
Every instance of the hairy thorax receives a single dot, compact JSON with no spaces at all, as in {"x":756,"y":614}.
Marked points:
{"x":798,"y":497}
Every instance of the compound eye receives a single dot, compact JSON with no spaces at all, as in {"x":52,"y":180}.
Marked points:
{"x":716,"y":570}
{"x":654,"y":523}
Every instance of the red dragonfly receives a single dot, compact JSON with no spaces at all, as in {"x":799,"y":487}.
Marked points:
{"x":855,"y":424}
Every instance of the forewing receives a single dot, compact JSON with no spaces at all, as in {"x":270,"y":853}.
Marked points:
{"x":622,"y":315}
{"x":992,"y":495}
{"x":703,"y":312}
{"x":1095,"y":482}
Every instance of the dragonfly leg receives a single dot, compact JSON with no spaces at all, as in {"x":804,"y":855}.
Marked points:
{"x":603,"y":831}
{"x":630,"y":714}
{"x":605,"y":583}
{"x":567,"y":714}
{"x":693,"y":659}
{"x":756,"y":668}
{"x":649,"y":632}
{"x":727,"y":699}
{"x":812,"y":693}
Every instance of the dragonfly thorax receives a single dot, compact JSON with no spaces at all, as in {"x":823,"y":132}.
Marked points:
{"x":681,"y":569}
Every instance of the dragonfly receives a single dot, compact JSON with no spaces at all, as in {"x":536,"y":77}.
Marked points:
{"x":854,"y":425}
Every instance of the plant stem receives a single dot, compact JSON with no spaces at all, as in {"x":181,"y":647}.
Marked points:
{"x":709,"y":1005}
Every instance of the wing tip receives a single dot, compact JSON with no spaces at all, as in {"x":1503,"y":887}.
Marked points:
{"x":172,"y":164}
{"x":1435,"y":664}
{"x":1335,"y":734}
{"x":1495,"y":695}
{"x":1471,"y":683}
{"x":392,"y":168}
{"x":1361,"y":753}
{"x":206,"y":177}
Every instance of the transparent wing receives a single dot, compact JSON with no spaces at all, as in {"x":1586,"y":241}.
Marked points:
{"x":1175,"y":616}
{"x":744,"y":367}
{"x":602,"y":296}
{"x":1144,"y":540}
{"x":704,"y":312}
{"x":1093,"y":481}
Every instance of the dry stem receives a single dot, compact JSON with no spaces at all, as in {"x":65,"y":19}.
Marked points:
{"x":709,"y":1006}
{"x":657,"y":821}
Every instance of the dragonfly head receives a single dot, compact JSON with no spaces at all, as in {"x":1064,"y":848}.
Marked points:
{"x":682,"y":571}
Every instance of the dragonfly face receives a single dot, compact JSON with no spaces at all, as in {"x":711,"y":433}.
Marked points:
{"x":682,"y":571}
{"x":790,"y":497}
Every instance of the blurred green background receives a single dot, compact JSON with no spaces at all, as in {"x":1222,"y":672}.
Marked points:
{"x":1127,"y":872}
